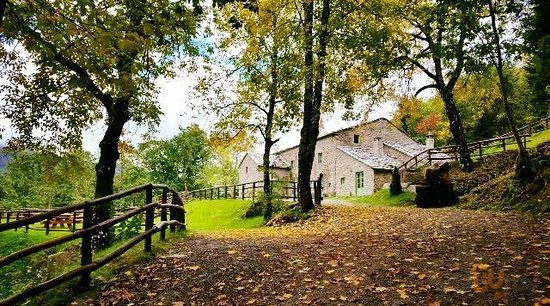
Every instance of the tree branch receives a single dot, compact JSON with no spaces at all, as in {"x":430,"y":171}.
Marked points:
{"x":424,"y":88}
{"x":89,"y":85}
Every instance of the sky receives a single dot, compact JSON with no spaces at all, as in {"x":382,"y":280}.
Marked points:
{"x":176,"y":98}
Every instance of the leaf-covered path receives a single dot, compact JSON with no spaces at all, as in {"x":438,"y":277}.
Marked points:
{"x":352,"y":255}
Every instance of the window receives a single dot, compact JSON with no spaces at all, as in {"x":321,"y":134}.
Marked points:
{"x":355,"y":138}
{"x":246,"y":169}
{"x":319,"y":157}
{"x":342,"y":180}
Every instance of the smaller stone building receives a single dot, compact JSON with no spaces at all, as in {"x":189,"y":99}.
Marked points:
{"x":250,"y":168}
{"x":354,"y":161}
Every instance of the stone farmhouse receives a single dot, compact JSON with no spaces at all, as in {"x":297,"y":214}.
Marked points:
{"x":354,"y":161}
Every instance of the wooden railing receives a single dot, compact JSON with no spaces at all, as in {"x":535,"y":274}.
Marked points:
{"x":87,"y":266}
{"x":478,"y":150}
{"x":533,"y":127}
{"x":285,"y":189}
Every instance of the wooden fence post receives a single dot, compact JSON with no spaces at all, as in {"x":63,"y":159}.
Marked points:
{"x":74,"y":220}
{"x":218,"y":192}
{"x":211,"y":194}
{"x":242,"y":193}
{"x":225,"y":187}
{"x":27,"y":226}
{"x":294,"y":191}
{"x":503,"y":145}
{"x":163,"y":216}
{"x":86,"y":248}
{"x":253,"y":190}
{"x":480,"y":151}
{"x":234,"y":191}
{"x":47,"y":226}
{"x":149,"y":217}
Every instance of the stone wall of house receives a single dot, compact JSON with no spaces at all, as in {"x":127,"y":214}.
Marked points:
{"x":248,"y":171}
{"x":336,"y":164}
{"x":381,"y":177}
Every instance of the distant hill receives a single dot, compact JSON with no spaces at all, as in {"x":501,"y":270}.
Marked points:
{"x":5,"y":158}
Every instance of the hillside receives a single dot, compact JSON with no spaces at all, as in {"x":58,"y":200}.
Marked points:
{"x":490,"y":185}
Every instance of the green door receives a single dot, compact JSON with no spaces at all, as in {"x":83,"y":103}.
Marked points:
{"x":359,"y":183}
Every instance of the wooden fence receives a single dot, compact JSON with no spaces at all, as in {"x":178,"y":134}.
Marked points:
{"x":175,"y":211}
{"x":533,"y":127}
{"x":285,"y":189}
{"x":478,"y":150}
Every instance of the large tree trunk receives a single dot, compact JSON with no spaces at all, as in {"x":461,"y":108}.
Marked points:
{"x":313,"y":97}
{"x":306,"y":150}
{"x":105,"y":169}
{"x":457,"y":129}
{"x":3,"y":4}
{"x":268,"y":133}
{"x":267,"y":179}
{"x":523,"y":165}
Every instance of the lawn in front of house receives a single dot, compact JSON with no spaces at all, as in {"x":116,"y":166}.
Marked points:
{"x":381,"y":198}
{"x":208,"y":215}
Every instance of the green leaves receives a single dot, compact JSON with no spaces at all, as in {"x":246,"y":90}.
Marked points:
{"x":88,"y":55}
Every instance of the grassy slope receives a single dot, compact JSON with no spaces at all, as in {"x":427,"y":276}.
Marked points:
{"x":207,"y":215}
{"x":382,"y":198}
{"x":535,"y":140}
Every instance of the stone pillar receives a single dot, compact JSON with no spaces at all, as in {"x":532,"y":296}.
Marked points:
{"x":430,"y":141}
{"x":378,"y":147}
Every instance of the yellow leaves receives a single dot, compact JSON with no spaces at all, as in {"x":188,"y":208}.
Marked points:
{"x":449,"y":290}
{"x":284,"y":297}
{"x":402,"y":294}
{"x":232,"y":252}
{"x":519,"y":257}
{"x":421,"y":276}
{"x":178,"y":303}
{"x":480,"y":267}
{"x":543,"y":302}
{"x":193,"y":268}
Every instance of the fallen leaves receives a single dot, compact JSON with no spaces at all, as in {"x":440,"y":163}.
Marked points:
{"x":370,"y":256}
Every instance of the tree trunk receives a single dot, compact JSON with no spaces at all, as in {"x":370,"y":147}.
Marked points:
{"x":523,"y":165}
{"x":105,"y":170}
{"x":3,"y":4}
{"x":457,"y":129}
{"x":306,"y":151}
{"x":268,"y":133}
{"x":267,"y":180}
{"x":313,"y":97}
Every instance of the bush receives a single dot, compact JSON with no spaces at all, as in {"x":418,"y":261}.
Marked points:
{"x":395,"y":185}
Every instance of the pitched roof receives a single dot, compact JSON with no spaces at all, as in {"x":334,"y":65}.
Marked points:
{"x":347,"y":129}
{"x":410,"y":148}
{"x":275,"y":161}
{"x":368,"y":157}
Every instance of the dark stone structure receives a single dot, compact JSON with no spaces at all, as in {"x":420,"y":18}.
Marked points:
{"x":438,"y":190}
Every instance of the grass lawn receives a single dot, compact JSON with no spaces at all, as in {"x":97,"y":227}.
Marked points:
{"x":208,"y":215}
{"x":381,"y":198}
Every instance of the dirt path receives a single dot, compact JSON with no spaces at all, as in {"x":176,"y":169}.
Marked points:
{"x":352,"y":255}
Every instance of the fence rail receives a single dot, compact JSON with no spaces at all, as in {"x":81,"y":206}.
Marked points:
{"x":533,"y":127}
{"x":478,"y":150}
{"x":251,"y":190}
{"x":175,"y":210}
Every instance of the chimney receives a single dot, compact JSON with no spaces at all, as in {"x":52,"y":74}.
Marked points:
{"x":430,"y":140}
{"x":378,"y":147}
